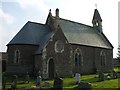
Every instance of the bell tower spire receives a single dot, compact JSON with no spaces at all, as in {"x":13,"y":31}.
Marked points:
{"x":97,"y":21}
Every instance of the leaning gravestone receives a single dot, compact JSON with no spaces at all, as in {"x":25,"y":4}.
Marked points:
{"x":58,"y":83}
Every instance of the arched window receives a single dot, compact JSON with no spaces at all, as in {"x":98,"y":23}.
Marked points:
{"x":103,"y":58}
{"x":78,"y":60}
{"x":17,"y":56}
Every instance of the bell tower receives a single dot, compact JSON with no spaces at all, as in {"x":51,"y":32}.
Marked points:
{"x":97,"y":21}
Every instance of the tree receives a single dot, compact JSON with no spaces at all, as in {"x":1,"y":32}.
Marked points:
{"x":118,"y":57}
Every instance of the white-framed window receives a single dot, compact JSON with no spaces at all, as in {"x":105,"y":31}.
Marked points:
{"x":59,"y":46}
{"x":17,"y":56}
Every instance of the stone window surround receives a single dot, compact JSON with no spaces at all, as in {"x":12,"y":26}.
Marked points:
{"x":17,"y":56}
{"x":79,"y":53}
{"x":59,"y":49}
{"x":102,"y":58}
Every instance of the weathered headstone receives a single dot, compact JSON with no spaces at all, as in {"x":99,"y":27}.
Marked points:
{"x":13,"y":85}
{"x":108,"y":76}
{"x":39,"y":80}
{"x":47,"y":84}
{"x":27,"y":77}
{"x":14,"y":82}
{"x":58,"y":83}
{"x":77,"y":76}
{"x":101,"y":76}
{"x":115,"y":75}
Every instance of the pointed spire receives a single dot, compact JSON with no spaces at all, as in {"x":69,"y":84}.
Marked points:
{"x":96,"y":16}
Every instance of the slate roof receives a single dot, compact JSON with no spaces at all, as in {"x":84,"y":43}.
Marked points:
{"x":77,"y":33}
{"x":32,"y":33}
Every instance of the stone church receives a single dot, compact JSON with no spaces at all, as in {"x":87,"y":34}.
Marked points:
{"x":60,"y":46}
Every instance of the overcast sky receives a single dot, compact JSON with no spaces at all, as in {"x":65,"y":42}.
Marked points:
{"x":15,"y":13}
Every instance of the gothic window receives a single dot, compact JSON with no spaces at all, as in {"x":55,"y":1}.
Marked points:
{"x":78,"y":59}
{"x":103,"y":58}
{"x":17,"y":56}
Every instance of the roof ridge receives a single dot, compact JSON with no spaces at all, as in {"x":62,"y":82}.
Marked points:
{"x":35,"y":22}
{"x":74,"y":22}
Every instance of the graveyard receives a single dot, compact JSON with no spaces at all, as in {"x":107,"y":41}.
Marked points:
{"x":70,"y":82}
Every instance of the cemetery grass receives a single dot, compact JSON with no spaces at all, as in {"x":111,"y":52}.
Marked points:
{"x":69,"y":82}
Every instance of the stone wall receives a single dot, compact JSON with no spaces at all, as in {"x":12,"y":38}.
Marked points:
{"x":92,"y":60}
{"x":62,"y":61}
{"x":26,"y":58}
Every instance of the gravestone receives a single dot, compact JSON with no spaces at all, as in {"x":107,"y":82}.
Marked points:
{"x":39,"y":80}
{"x":14,"y":82}
{"x":84,"y":86}
{"x":13,"y":85}
{"x":115,"y":75}
{"x":101,"y":76}
{"x":47,"y":84}
{"x":108,"y":76}
{"x":27,"y":77}
{"x":77,"y":76}
{"x":58,"y":83}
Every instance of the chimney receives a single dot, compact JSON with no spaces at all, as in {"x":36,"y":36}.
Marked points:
{"x":57,"y":12}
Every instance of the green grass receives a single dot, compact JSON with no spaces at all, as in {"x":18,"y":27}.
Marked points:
{"x":106,"y":84}
{"x":117,"y":69}
{"x":70,"y":82}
